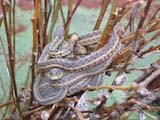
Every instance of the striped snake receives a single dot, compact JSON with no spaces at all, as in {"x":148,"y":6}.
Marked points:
{"x":86,"y":70}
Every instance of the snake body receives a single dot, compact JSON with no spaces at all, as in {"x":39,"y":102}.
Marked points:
{"x":86,"y":70}
{"x":81,"y":64}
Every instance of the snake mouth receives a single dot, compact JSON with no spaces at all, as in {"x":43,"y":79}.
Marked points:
{"x":47,"y":94}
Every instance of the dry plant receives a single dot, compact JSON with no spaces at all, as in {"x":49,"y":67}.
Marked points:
{"x":134,"y":36}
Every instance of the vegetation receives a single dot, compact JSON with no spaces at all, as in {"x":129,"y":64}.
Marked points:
{"x":138,"y":25}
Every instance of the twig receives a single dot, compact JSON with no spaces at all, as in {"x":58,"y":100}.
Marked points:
{"x":131,"y":20}
{"x":49,"y":12}
{"x":126,"y":117}
{"x":79,"y":114}
{"x":54,"y":18}
{"x":62,"y":15}
{"x":143,"y":69}
{"x":145,"y":42}
{"x":9,"y":102}
{"x":70,"y":6}
{"x":5,"y":55}
{"x":28,"y":113}
{"x":14,"y":32}
{"x":152,"y":48}
{"x":155,"y":26}
{"x":133,"y":14}
{"x":144,"y":106}
{"x":11,"y":59}
{"x":150,"y":78}
{"x":114,"y":18}
{"x":109,"y":26}
{"x":51,"y":111}
{"x":104,"y":6}
{"x":154,"y":16}
{"x":66,"y":25}
{"x":129,"y":87}
{"x":45,"y":23}
{"x":150,"y":116}
{"x":140,"y":25}
{"x":35,"y":39}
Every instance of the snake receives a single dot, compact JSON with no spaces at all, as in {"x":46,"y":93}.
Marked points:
{"x":82,"y":71}
{"x":78,"y":65}
{"x":58,"y":47}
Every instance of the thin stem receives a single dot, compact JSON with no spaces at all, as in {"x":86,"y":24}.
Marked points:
{"x":14,"y":32}
{"x":110,"y":24}
{"x":70,"y":6}
{"x":72,"y":13}
{"x":11,"y":58}
{"x":146,"y":9}
{"x":55,"y":12}
{"x":131,"y":20}
{"x":62,"y":14}
{"x":35,"y":40}
{"x":104,"y":6}
{"x":45,"y":24}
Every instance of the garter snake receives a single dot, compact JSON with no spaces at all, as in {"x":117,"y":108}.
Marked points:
{"x":85,"y":40}
{"x":78,"y":65}
{"x":91,"y":65}
{"x":60,"y":48}
{"x":51,"y":48}
{"x":52,"y":93}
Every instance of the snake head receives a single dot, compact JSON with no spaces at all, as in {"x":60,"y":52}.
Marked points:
{"x":59,"y":32}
